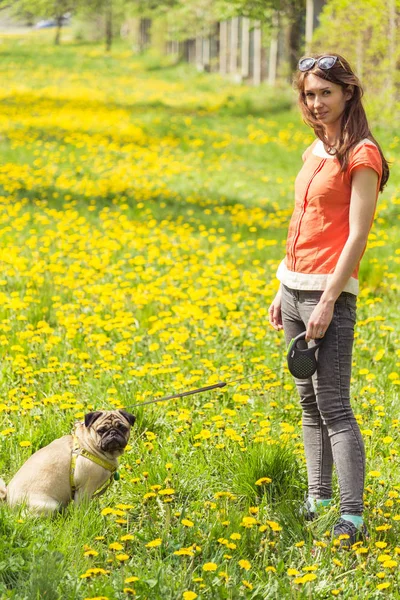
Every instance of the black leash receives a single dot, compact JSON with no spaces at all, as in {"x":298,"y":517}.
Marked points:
{"x":207,"y":388}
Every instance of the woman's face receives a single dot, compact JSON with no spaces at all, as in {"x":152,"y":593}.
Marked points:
{"x":325,"y":100}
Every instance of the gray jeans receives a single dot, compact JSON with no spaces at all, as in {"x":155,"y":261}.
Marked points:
{"x":330,"y":431}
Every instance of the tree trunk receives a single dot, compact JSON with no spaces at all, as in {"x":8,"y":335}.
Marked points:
{"x":257,"y":53}
{"x":273,"y":50}
{"x":223,"y":42}
{"x":245,"y":47}
{"x":199,"y":53}
{"x":360,"y":54}
{"x":294,"y":41}
{"x":57,"y":39}
{"x":206,"y":53}
{"x":109,"y":26}
{"x":392,"y":53}
{"x":309,"y":24}
{"x":234,"y":45}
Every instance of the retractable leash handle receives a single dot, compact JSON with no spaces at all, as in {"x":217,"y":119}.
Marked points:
{"x":302,"y":362}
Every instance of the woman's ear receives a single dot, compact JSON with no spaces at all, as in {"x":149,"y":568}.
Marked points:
{"x":348,"y":92}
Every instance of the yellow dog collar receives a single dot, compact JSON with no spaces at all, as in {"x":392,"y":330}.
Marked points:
{"x":77,"y":451}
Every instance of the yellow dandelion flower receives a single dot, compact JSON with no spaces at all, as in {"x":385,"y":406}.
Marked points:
{"x":247,"y":584}
{"x":185,"y":551}
{"x":154,"y":543}
{"x":91,"y":553}
{"x":122,"y":557}
{"x":383,"y":586}
{"x":337,"y":562}
{"x":188,"y":595}
{"x":244,"y":564}
{"x":381,"y":545}
{"x":248,"y":522}
{"x":309,"y":577}
{"x":210,"y":566}
{"x":274,"y":526}
{"x":187,"y":523}
{"x":166,"y":492}
{"x":263,"y":480}
{"x":389,"y":564}
{"x":115,"y":546}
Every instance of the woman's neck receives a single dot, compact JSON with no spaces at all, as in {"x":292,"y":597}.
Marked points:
{"x":332,"y":135}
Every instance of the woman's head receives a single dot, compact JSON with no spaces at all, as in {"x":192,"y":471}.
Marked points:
{"x":329,"y":93}
{"x":335,"y":71}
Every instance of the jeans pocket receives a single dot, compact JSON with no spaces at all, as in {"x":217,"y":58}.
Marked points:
{"x":351,"y":305}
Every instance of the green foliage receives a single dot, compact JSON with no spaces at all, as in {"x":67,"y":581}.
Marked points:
{"x":366,"y":33}
{"x":143,"y":215}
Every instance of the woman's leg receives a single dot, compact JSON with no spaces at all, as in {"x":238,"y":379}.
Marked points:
{"x":317,"y":446}
{"x":332,"y":388}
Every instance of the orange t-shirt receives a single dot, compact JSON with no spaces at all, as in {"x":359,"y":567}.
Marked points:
{"x":319,"y":227}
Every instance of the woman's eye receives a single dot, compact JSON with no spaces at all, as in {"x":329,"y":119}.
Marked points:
{"x":327,"y":92}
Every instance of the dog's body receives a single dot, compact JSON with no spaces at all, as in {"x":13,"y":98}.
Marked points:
{"x":43,"y":482}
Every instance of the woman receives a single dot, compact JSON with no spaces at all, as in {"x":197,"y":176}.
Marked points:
{"x":335,"y":197}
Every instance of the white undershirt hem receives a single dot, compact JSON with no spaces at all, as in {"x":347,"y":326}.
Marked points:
{"x":311,"y":282}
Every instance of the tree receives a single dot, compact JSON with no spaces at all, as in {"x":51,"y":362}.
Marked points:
{"x":367,"y":34}
{"x":292,"y":10}
{"x":54,"y":9}
{"x":111,"y":13}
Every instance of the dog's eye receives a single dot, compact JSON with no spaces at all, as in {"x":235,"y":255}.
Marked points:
{"x":122,"y":427}
{"x":102,"y":430}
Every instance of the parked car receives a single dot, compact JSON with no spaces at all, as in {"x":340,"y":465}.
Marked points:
{"x":45,"y":23}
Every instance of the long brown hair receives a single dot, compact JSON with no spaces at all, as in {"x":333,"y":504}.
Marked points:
{"x":354,"y":120}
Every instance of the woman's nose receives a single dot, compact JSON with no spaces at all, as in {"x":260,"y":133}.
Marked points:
{"x":317,"y":101}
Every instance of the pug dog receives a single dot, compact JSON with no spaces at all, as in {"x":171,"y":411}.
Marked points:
{"x":43,"y":483}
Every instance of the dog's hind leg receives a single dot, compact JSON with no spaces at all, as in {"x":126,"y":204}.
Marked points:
{"x":42,"y":505}
{"x":3,"y":491}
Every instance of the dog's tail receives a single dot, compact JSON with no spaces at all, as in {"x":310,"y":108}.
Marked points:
{"x":3,"y":491}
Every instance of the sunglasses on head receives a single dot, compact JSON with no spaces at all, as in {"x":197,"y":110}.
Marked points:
{"x":325,"y":63}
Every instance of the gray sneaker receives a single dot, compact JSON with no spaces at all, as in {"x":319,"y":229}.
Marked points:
{"x":308,"y":514}
{"x":351,"y":534}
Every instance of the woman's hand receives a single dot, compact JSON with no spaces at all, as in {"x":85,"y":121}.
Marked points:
{"x":320,"y":320}
{"x":274,"y":312}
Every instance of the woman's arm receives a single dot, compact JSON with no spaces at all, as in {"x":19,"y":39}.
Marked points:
{"x":362,"y":208}
{"x":274,"y":311}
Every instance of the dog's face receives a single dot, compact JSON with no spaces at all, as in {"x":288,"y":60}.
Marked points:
{"x":109,"y":429}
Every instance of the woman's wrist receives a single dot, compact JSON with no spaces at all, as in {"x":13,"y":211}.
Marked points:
{"x":328,"y":298}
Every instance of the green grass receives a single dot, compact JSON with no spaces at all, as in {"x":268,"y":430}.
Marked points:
{"x":143,"y":214}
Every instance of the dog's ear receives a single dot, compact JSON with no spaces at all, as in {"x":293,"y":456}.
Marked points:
{"x":128,"y":416}
{"x":91,"y":417}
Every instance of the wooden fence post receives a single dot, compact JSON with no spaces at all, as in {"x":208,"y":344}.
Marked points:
{"x":245,"y":55}
{"x":206,"y":53}
{"x":309,"y":24}
{"x":257,"y":53}
{"x":223,"y":42}
{"x":273,"y":50}
{"x":234,"y":45}
{"x":199,"y":54}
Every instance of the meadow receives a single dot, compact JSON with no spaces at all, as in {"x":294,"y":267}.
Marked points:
{"x":143,"y":214}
